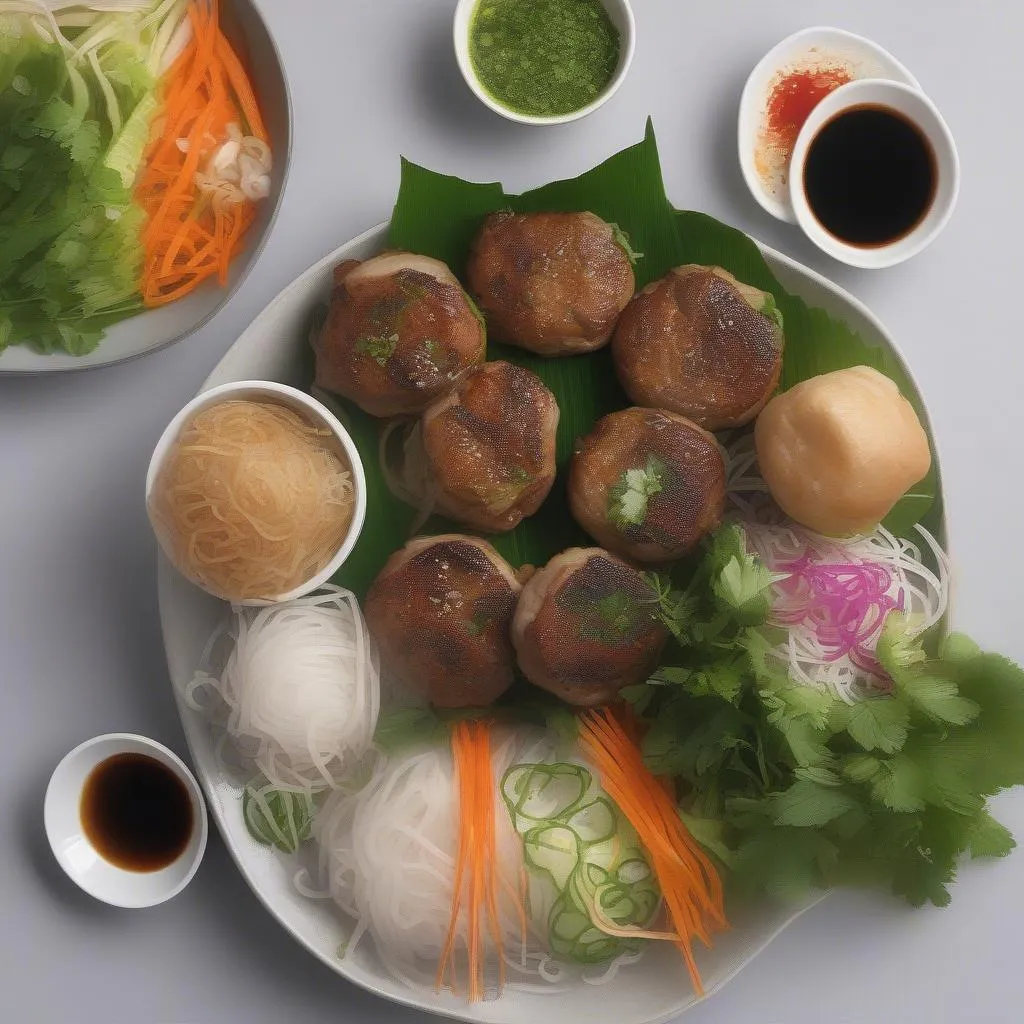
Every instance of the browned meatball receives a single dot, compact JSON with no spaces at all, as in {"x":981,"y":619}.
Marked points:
{"x":490,"y":447}
{"x":440,"y":612}
{"x":585,"y":627}
{"x":553,"y":283}
{"x":700,"y":343}
{"x":400,"y":333}
{"x":647,"y":484}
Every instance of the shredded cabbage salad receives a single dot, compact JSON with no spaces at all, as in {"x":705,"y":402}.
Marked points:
{"x":80,"y":99}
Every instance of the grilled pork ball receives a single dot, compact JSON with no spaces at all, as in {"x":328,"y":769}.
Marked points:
{"x":585,"y":627}
{"x":647,"y":484}
{"x":440,"y":612}
{"x":553,"y":283}
{"x":701,"y":344}
{"x":490,"y":447}
{"x":400,"y":333}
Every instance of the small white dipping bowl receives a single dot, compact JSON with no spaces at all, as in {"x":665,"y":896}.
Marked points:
{"x":620,"y":15}
{"x":917,"y":108}
{"x":311,"y":410}
{"x":806,"y":49}
{"x":81,"y":861}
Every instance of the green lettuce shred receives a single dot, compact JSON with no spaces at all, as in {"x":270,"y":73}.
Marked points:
{"x":793,"y":789}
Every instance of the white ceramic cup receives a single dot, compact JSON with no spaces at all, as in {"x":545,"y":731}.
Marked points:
{"x":82,"y":862}
{"x":621,"y":17}
{"x":310,"y":409}
{"x":916,"y":107}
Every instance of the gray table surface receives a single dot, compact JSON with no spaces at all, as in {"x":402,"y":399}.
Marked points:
{"x":80,"y":646}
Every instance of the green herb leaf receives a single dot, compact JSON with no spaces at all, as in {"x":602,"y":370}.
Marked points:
{"x":276,"y":817}
{"x":899,"y":784}
{"x":879,"y":723}
{"x":629,"y":496}
{"x":807,"y":804}
{"x":990,"y":839}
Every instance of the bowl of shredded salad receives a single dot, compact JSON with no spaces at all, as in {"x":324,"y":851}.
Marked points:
{"x":144,"y":146}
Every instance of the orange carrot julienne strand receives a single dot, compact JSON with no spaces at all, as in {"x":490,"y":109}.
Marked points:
{"x":477,"y":875}
{"x":690,"y":886}
{"x":188,"y":238}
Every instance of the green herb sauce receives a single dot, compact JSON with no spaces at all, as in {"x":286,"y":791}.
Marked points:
{"x":543,"y":57}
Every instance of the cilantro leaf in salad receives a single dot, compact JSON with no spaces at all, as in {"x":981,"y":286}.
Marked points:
{"x":794,"y":789}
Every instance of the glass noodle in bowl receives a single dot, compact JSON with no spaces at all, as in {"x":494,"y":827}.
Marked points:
{"x":267,"y":512}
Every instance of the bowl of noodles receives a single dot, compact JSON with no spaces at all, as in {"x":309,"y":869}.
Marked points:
{"x":256,"y":492}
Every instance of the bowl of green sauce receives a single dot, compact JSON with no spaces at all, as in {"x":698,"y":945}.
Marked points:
{"x":544,"y":61}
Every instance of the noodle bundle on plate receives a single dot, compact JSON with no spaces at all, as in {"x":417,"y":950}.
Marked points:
{"x":490,"y":869}
{"x":299,"y":693}
{"x":251,"y":503}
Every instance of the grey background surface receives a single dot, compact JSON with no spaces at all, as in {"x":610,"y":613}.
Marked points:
{"x":80,"y":647}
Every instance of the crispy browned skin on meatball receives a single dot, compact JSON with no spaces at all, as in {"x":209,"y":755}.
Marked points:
{"x":490,"y":447}
{"x":585,"y":627}
{"x":697,"y":343}
{"x":647,"y":484}
{"x":553,"y":283}
{"x":440,"y":612}
{"x":400,"y":333}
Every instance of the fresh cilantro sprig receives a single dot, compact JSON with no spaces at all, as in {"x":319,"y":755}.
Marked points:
{"x":793,"y":789}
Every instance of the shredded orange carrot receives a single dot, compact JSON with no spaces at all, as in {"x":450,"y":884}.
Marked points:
{"x":190,"y":237}
{"x":689,"y":883}
{"x":477,"y":874}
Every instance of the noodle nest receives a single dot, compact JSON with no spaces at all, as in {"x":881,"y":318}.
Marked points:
{"x":251,"y":503}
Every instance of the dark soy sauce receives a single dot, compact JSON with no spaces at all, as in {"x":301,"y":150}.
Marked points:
{"x":136,"y":812}
{"x":870,"y":176}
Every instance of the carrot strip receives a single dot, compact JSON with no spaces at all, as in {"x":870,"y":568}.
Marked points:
{"x":689,"y":883}
{"x":477,"y":874}
{"x":242,"y":88}
{"x":205,"y":90}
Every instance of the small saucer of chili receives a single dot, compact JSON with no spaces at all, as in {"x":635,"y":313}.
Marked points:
{"x":783,"y":89}
{"x":543,"y":61}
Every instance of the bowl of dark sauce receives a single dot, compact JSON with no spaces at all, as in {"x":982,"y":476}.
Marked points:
{"x":126,"y":820}
{"x":875,"y":173}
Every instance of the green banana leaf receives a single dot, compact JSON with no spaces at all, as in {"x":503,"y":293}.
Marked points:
{"x":438,"y":215}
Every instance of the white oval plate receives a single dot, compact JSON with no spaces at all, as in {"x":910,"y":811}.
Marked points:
{"x":274,"y":347}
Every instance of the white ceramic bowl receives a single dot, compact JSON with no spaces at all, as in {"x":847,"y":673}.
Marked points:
{"x":862,"y":57}
{"x":81,"y":861}
{"x":621,"y":16}
{"x":246,"y":29}
{"x":310,"y":409}
{"x":915,"y":106}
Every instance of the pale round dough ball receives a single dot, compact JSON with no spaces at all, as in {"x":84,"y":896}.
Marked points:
{"x":839,"y":450}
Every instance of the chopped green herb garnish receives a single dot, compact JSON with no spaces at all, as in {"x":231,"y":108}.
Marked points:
{"x":629,"y":496}
{"x":622,"y":240}
{"x":378,"y":348}
{"x":771,"y":310}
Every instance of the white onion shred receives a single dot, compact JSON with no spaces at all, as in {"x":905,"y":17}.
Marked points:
{"x":299,"y":694}
{"x":920,"y":578}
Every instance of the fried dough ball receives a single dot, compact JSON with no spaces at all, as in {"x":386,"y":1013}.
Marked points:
{"x":839,"y":450}
{"x":553,"y":283}
{"x":647,"y":484}
{"x":400,"y":333}
{"x":440,"y":612}
{"x":585,"y":627}
{"x":701,"y":344}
